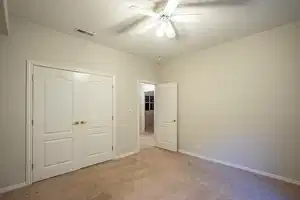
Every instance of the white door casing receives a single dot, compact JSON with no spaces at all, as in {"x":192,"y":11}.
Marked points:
{"x":72,"y":128}
{"x":166,"y":116}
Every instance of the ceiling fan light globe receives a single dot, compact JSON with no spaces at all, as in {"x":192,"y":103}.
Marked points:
{"x":171,"y":34}
{"x":159,"y":33}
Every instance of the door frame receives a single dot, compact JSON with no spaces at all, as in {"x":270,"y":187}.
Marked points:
{"x":139,"y":82}
{"x":29,"y":106}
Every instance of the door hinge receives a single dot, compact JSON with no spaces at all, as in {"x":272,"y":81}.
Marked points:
{"x":31,"y":166}
{"x":112,"y":86}
{"x":112,"y":147}
{"x":112,"y":117}
{"x":32,"y":122}
{"x":32,"y":77}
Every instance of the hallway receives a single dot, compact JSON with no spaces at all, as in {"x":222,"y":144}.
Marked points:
{"x":147,"y":140}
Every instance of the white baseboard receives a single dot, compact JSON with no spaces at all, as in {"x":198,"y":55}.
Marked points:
{"x":12,"y":187}
{"x":126,"y":154}
{"x":262,"y":173}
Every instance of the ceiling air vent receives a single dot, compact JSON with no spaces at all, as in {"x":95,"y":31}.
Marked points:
{"x":85,"y":32}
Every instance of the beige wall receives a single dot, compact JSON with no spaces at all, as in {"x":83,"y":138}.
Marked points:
{"x":31,"y":42}
{"x":240,"y":102}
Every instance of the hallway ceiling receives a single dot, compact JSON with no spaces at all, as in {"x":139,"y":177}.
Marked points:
{"x":215,"y":25}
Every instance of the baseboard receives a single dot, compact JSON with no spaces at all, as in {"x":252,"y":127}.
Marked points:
{"x":262,"y":173}
{"x":12,"y":187}
{"x":126,"y":154}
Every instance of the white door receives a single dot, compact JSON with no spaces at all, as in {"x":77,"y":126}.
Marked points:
{"x":166,"y":116}
{"x":97,"y":119}
{"x":142,"y":108}
{"x":71,"y":125}
{"x":53,"y":133}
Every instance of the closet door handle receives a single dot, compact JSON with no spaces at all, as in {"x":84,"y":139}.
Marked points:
{"x":83,"y":122}
{"x":76,"y":123}
{"x":173,"y":121}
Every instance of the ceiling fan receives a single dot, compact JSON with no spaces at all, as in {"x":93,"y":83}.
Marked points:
{"x":163,"y":18}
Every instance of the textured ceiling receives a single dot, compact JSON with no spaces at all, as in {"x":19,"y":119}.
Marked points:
{"x":215,"y":25}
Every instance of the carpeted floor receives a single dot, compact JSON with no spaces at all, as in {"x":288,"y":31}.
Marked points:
{"x":147,"y":140}
{"x":155,"y":174}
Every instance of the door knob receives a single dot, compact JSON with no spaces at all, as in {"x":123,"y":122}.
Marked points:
{"x":170,"y":121}
{"x":83,"y":122}
{"x":76,"y":123}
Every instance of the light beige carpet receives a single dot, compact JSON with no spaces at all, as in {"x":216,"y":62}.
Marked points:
{"x":155,"y":174}
{"x":147,"y":141}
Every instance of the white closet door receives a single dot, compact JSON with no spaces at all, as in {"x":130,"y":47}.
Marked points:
{"x":97,"y":120}
{"x":166,"y":116}
{"x":53,"y":133}
{"x":73,"y":125}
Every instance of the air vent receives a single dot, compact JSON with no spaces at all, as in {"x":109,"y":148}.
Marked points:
{"x":85,"y":32}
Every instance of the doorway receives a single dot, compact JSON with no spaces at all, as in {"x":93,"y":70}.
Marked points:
{"x":147,"y":107}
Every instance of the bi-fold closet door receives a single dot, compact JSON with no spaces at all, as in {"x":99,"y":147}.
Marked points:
{"x":73,"y":123}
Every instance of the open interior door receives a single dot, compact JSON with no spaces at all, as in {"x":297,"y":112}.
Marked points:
{"x":166,"y":116}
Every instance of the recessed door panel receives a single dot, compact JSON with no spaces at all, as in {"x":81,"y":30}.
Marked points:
{"x":58,"y":105}
{"x":58,"y":152}
{"x":98,"y":144}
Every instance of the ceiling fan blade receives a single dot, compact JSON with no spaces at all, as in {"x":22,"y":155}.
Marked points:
{"x":171,"y":25}
{"x":147,"y":25}
{"x":209,"y":3}
{"x":171,"y":6}
{"x":129,"y":24}
{"x":186,"y":14}
{"x":186,"y":18}
{"x":144,"y":11}
{"x":176,"y":31}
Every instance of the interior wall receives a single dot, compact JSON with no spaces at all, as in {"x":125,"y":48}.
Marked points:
{"x":239,"y":102}
{"x":32,"y":42}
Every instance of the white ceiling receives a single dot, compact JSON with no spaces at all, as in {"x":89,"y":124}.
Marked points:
{"x":215,"y":25}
